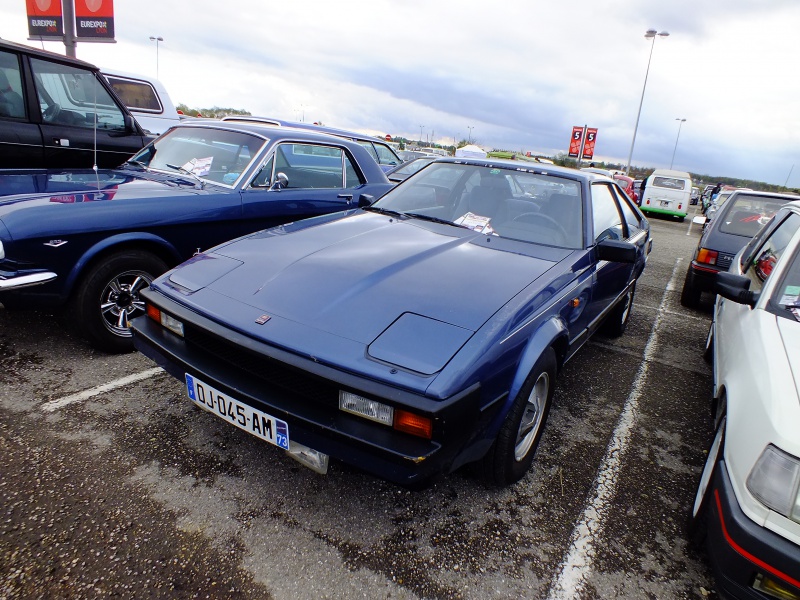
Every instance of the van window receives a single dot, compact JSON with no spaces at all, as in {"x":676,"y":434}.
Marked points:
{"x":72,"y":96}
{"x":11,"y":102}
{"x":671,"y":183}
{"x":136,"y":94}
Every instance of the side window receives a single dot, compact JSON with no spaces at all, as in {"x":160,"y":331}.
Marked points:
{"x":371,"y":149}
{"x":310,"y":166}
{"x":631,"y":216}
{"x":353,"y":178}
{"x":74,"y":97}
{"x":11,"y":103}
{"x":761,"y":262}
{"x":385,"y":155}
{"x":137,"y":95}
{"x":264,"y":177}
{"x":605,"y":214}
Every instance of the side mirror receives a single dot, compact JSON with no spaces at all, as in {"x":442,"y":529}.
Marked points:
{"x":281,"y":181}
{"x":735,"y":288}
{"x":365,"y":200}
{"x":616,"y":251}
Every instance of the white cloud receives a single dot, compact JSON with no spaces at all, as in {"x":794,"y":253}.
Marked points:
{"x":521,"y":73}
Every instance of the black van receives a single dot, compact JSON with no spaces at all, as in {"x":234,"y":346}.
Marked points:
{"x":58,"y":112}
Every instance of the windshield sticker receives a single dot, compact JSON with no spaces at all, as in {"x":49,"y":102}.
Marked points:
{"x":199,"y":166}
{"x":792,"y":290}
{"x":788,"y":301}
{"x":475,"y":222}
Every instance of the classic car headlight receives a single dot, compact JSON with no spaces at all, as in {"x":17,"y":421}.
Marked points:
{"x":2,"y":251}
{"x":401,"y":420}
{"x":774,"y":481}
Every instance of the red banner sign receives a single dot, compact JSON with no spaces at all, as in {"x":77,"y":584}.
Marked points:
{"x":45,"y":18}
{"x":588,"y":145}
{"x":94,"y":19}
{"x":575,"y":142}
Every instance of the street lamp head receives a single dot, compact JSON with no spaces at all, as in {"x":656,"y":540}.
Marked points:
{"x":154,"y":39}
{"x":651,"y":33}
{"x":681,"y":120}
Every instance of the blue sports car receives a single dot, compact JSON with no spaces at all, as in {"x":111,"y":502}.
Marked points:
{"x":413,"y":335}
{"x":91,"y":240}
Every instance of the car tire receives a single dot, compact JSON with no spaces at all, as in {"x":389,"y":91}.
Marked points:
{"x":690,"y":295}
{"x":108,"y":296}
{"x":697,"y":525}
{"x":617,"y":321}
{"x":512,"y":452}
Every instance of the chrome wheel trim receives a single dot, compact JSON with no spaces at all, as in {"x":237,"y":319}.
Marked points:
{"x":120,"y":301}
{"x":532,"y":416}
{"x":708,"y":469}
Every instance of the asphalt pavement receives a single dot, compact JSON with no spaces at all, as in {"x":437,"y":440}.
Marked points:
{"x":113,"y":486}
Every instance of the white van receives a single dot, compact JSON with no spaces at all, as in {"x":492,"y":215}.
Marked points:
{"x":667,"y":192}
{"x":146,"y":98}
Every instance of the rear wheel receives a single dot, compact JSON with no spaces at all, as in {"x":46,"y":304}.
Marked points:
{"x":698,"y":519}
{"x":108,"y":297}
{"x":513,"y":450}
{"x":690,"y":294}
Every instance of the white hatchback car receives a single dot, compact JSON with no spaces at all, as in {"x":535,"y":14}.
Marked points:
{"x":747,"y":505}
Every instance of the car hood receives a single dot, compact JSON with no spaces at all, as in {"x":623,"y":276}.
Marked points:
{"x":86,"y":185}
{"x":373,"y":280}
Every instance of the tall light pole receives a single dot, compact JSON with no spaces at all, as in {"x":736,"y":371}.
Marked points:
{"x":469,"y":137}
{"x":650,"y":34}
{"x":421,"y":127}
{"x":156,"y":40}
{"x":680,"y":124}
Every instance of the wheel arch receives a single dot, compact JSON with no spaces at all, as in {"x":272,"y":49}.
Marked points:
{"x":117,"y":243}
{"x":552,"y":333}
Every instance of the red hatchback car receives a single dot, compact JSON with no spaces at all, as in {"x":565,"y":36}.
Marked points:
{"x":626,"y":183}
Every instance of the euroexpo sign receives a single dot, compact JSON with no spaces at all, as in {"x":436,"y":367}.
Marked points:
{"x":94,"y":19}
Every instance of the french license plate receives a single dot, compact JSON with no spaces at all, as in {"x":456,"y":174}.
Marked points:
{"x":251,"y":420}
{"x":664,"y":202}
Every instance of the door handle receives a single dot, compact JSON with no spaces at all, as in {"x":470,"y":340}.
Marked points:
{"x":348,"y":197}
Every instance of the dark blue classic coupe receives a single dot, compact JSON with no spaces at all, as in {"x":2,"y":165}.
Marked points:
{"x":91,"y":240}
{"x":411,"y":336}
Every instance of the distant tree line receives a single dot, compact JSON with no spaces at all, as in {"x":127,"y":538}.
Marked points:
{"x":215,"y":112}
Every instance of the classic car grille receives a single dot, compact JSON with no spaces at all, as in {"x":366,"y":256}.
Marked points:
{"x":265,"y":368}
{"x":724,"y":261}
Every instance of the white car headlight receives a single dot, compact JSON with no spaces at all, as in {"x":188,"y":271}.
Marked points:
{"x":775,"y":480}
{"x":2,"y":251}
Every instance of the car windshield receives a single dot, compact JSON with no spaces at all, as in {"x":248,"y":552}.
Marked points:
{"x":746,"y":214}
{"x":210,"y":154}
{"x":537,"y":207}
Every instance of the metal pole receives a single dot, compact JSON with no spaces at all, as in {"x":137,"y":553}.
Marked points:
{"x":583,"y":142}
{"x":680,"y":124}
{"x":70,"y":43}
{"x":652,"y":34}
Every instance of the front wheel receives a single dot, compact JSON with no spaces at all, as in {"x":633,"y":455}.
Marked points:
{"x":617,"y":321}
{"x":697,"y":525}
{"x":513,"y":450}
{"x":108,"y":297}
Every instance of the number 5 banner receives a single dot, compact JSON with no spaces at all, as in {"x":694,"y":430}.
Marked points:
{"x":588,"y":146}
{"x":575,"y":142}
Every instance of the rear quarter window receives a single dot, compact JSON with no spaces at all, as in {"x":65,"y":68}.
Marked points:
{"x":137,"y":95}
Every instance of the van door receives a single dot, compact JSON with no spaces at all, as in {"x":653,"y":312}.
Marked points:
{"x":20,"y":140}
{"x":79,"y":116}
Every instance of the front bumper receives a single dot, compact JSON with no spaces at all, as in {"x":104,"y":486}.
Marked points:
{"x":304,"y":393}
{"x":16,"y":282}
{"x":743,"y":552}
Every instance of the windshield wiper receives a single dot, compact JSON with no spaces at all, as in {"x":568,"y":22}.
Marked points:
{"x":187,"y":172}
{"x":432,"y":219}
{"x":383,"y":211}
{"x":137,"y":163}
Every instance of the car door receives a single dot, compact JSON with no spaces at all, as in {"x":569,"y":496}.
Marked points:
{"x":301,"y":180}
{"x":613,"y":218}
{"x":756,"y":263}
{"x":20,"y":139}
{"x":81,"y":122}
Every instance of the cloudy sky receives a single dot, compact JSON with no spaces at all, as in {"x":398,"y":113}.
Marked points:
{"x":520,"y":73}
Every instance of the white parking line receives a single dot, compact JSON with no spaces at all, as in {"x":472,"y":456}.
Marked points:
{"x":577,"y":565}
{"x":100,"y":389}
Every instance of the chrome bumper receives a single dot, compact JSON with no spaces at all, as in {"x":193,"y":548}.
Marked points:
{"x":13,"y":283}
